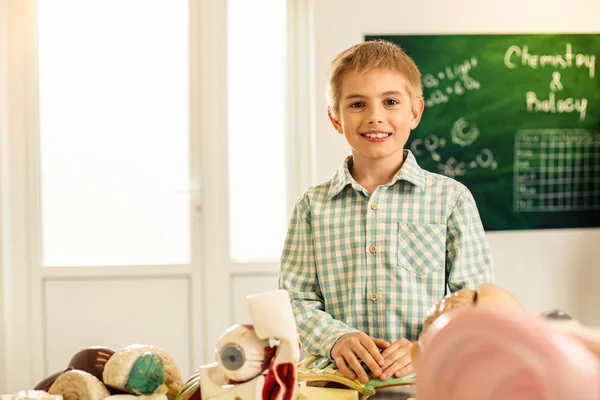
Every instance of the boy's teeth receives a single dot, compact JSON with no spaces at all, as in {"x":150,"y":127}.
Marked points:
{"x":377,"y":135}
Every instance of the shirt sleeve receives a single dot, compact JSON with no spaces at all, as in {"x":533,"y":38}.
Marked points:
{"x":468,"y":258}
{"x":317,"y":329}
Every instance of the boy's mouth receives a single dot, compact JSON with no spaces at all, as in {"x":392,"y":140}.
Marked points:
{"x":376,"y":136}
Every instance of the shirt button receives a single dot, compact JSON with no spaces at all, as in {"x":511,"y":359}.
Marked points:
{"x":373,"y":297}
{"x":374,"y":206}
{"x":373,"y":249}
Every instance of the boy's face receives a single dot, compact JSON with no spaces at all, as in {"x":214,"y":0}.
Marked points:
{"x":376,"y":114}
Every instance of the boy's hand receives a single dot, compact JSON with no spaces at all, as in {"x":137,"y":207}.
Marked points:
{"x":352,"y":348}
{"x":397,"y":360}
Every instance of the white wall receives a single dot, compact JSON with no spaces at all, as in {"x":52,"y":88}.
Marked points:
{"x":544,"y":269}
{"x":2,"y":279}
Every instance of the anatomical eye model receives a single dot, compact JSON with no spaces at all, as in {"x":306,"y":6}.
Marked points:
{"x":241,"y":355}
{"x":247,"y":365}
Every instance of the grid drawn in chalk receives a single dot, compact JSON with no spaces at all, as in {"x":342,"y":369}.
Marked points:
{"x":556,"y":170}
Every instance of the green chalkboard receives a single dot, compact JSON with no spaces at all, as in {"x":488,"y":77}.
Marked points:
{"x":516,"y":118}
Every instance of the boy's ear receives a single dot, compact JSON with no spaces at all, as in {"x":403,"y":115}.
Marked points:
{"x":417,"y":112}
{"x":334,"y":121}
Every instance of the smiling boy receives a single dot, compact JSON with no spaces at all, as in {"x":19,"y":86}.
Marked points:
{"x":368,"y":252}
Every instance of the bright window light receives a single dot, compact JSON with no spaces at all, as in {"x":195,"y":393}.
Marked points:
{"x":257,"y":109}
{"x":114,"y":135}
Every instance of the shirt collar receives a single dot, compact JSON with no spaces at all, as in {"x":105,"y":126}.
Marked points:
{"x":410,"y":172}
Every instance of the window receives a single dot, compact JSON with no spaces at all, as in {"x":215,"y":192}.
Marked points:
{"x":256,"y":121}
{"x":114,"y":137}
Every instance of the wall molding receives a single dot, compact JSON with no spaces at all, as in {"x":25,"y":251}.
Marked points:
{"x":301,"y":145}
{"x":17,"y":41}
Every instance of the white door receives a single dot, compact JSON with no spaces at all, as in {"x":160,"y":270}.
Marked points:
{"x":101,"y":231}
{"x":149,"y":162}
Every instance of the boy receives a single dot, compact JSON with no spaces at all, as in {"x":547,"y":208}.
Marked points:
{"x":370,"y":251}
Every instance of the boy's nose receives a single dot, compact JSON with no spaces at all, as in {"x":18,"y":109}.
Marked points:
{"x":375,"y":116}
{"x":375,"y":120}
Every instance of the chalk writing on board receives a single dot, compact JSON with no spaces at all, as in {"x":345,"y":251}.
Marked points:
{"x":451,"y":80}
{"x":516,"y":56}
{"x":452,"y":167}
{"x":556,"y":170}
{"x":554,"y":105}
{"x":463,"y":136}
{"x":431,"y":144}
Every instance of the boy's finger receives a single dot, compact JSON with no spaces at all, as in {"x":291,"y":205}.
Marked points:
{"x":369,"y":362}
{"x":393,"y":348}
{"x":404,"y":343}
{"x":343,"y":367}
{"x":368,"y":359}
{"x":369,"y":344}
{"x":406,"y":370}
{"x":403,"y":366}
{"x":391,"y":366}
{"x":391,"y":358}
{"x":400,"y":367}
{"x":380,"y":343}
{"x":403,"y":346}
{"x":357,"y":368}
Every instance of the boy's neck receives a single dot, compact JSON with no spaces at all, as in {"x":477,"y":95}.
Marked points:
{"x":371,"y":173}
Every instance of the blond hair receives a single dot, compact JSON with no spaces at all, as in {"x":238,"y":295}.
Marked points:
{"x":372,"y":55}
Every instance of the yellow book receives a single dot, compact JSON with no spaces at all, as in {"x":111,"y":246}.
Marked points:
{"x":321,"y":371}
{"x":317,"y":393}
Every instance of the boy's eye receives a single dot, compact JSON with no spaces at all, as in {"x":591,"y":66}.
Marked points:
{"x":357,"y":104}
{"x":391,"y":102}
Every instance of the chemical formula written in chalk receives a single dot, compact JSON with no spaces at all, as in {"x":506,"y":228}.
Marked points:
{"x":432,"y":145}
{"x":449,"y":81}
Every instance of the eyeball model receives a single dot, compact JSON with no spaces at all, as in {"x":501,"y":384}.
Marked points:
{"x":246,"y":366}
{"x":241,"y":355}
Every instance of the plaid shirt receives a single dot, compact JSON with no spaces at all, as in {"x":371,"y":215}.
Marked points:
{"x":377,"y":263}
